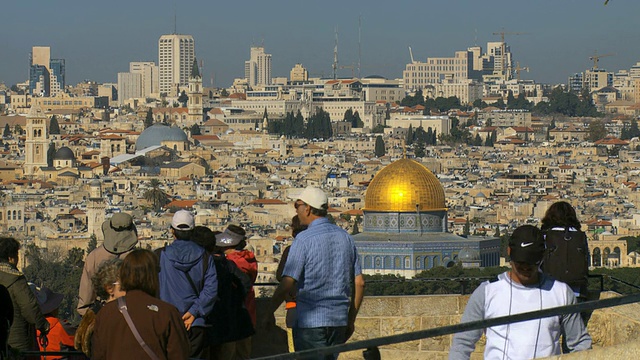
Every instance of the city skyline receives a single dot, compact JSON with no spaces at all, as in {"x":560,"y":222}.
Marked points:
{"x":558,"y":37}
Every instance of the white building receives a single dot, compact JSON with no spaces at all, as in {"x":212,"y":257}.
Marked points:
{"x":175,"y":57}
{"x":129,"y":86}
{"x":257,"y":70}
{"x":150,"y":74}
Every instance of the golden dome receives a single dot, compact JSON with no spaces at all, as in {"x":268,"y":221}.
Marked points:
{"x":402,"y":185}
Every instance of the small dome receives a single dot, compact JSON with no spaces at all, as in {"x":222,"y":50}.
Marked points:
{"x":156,"y":134}
{"x":402,"y":185}
{"x":95,"y":183}
{"x":468,"y":254}
{"x":64,"y":153}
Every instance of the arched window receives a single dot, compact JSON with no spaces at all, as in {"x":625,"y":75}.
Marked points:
{"x":387,"y":262}
{"x":13,"y":217}
{"x":19,"y":214}
{"x":407,"y":262}
{"x":368,"y":264}
{"x":418,"y":263}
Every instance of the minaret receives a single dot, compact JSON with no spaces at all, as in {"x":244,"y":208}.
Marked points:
{"x":95,"y":210}
{"x":37,"y":142}
{"x":194,"y":105}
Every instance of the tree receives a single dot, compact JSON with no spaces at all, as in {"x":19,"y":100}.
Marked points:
{"x":418,"y":149}
{"x":224,"y":93}
{"x":378,"y":129}
{"x":7,"y":131}
{"x":348,"y":116}
{"x":379,"y":147}
{"x":357,"y":122}
{"x":54,"y":128}
{"x":50,"y":154}
{"x":195,"y":129}
{"x":92,"y":244}
{"x":148,"y":120}
{"x":409,"y":139}
{"x":355,"y":230}
{"x":17,"y":130}
{"x":497,"y":233}
{"x":155,"y":195}
{"x":183,"y":99}
{"x":597,"y":130}
{"x":467,"y":228}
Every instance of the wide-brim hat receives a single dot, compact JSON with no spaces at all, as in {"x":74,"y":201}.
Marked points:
{"x":48,"y":300}
{"x":228,"y":238}
{"x":120,"y":233}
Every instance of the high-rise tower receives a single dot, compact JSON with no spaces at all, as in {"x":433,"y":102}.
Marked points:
{"x":37,"y":142}
{"x":175,"y":56}
{"x":46,"y":75}
{"x":257,"y":70}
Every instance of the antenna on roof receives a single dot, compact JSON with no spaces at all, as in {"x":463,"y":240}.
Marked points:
{"x":335,"y":56}
{"x":175,"y":19}
{"x":359,"y":44}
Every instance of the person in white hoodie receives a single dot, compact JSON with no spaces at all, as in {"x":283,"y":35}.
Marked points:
{"x":522,"y":289}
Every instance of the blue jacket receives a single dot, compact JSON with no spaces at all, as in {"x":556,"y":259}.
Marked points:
{"x":176,"y":260}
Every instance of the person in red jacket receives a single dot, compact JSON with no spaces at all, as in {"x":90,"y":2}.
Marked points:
{"x":61,"y":333}
{"x":232,"y":243}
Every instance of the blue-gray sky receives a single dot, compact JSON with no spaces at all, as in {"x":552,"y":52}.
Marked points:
{"x":99,"y":39}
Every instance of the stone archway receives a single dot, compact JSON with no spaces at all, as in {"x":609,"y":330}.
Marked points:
{"x":596,"y":257}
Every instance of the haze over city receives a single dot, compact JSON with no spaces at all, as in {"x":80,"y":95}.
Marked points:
{"x":99,"y":40}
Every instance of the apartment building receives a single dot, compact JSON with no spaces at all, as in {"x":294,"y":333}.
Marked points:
{"x":175,"y":58}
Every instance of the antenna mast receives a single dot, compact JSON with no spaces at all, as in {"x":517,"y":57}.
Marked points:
{"x":335,"y":57}
{"x":359,"y":44}
{"x":175,"y":19}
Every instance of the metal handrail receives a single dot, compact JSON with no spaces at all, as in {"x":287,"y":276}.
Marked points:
{"x":373,"y":344}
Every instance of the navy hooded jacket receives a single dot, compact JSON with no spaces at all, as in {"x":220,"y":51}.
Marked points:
{"x":176,"y":260}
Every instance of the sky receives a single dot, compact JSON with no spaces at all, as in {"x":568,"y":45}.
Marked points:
{"x":98,"y":39}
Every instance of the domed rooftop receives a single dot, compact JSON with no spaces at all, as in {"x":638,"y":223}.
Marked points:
{"x":402,"y":185}
{"x":64,"y":153}
{"x":157,"y":133}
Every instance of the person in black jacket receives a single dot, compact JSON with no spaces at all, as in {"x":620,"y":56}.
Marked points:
{"x":26,"y":312}
{"x":230,"y":318}
{"x":6,"y":319}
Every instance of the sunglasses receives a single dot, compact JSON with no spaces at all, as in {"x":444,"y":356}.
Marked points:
{"x":298,"y":204}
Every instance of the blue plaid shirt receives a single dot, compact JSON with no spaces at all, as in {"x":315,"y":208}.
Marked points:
{"x":324,"y":261}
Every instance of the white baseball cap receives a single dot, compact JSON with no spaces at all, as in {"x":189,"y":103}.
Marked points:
{"x":312,"y":196}
{"x":183,"y":220}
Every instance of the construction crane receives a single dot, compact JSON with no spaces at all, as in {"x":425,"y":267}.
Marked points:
{"x":411,"y":55}
{"x":518,"y":69}
{"x":504,"y":49}
{"x":352,"y":67}
{"x":595,"y":57}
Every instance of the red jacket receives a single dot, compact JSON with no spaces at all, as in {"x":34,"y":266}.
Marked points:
{"x":246,"y":261}
{"x":57,"y":337}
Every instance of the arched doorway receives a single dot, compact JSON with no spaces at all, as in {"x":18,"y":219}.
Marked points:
{"x":596,"y":258}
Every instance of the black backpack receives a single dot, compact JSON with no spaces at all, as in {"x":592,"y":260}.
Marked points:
{"x":567,"y":258}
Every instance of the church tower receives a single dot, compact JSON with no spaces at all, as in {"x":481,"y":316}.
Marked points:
{"x":95,"y":210}
{"x":37,"y":142}
{"x":194,"y":105}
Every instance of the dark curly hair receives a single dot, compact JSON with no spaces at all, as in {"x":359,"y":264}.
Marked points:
{"x":560,"y":214}
{"x":8,"y":248}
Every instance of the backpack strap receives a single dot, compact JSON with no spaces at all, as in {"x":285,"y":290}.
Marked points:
{"x":122,"y":306}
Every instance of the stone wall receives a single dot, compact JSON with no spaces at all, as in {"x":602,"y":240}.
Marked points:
{"x":392,"y":315}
